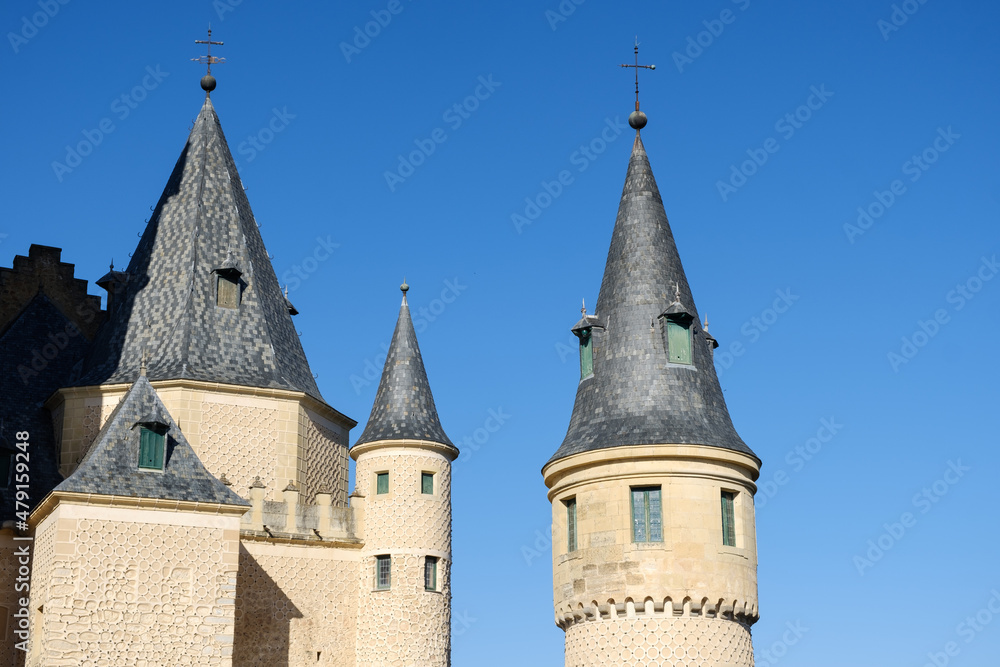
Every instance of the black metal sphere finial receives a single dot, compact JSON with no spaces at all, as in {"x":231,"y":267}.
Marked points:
{"x":208,"y":83}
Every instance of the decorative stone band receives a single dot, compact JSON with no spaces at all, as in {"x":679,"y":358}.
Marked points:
{"x":448,"y":451}
{"x":742,"y":611}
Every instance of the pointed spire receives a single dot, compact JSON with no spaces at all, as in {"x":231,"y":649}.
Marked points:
{"x":404,"y":407}
{"x":635,"y":395}
{"x":201,"y":231}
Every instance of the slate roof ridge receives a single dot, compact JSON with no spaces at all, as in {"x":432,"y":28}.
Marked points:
{"x":635,"y":397}
{"x":404,"y":407}
{"x":202,"y":222}
{"x":110,"y":466}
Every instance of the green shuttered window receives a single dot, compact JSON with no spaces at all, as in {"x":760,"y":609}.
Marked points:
{"x":728,"y":519}
{"x":383,"y":573}
{"x":427,"y":483}
{"x":430,"y":573}
{"x":586,"y":354}
{"x":678,"y":342}
{"x":647,"y":514}
{"x":151,"y":446}
{"x":382,"y":483}
{"x":571,"y":525}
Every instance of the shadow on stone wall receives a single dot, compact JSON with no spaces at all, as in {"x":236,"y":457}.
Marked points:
{"x":263,"y":617}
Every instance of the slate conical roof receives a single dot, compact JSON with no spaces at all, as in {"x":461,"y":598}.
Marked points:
{"x":404,"y":407}
{"x":201,"y":227}
{"x":111,"y":465}
{"x":634,"y":396}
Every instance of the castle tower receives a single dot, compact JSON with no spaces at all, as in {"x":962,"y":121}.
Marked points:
{"x":200,"y":305}
{"x":654,"y":549}
{"x":403,"y":483}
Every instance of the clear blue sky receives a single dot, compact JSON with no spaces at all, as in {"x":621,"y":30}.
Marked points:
{"x":927,"y":89}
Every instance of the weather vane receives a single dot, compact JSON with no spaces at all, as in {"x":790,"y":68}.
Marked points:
{"x":208,"y":81}
{"x":637,"y":67}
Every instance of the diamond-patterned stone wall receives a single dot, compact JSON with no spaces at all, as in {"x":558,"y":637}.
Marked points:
{"x":239,"y":440}
{"x":659,"y":642}
{"x":295,"y":606}
{"x":326,"y":461}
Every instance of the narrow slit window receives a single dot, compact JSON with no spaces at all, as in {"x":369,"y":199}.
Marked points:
{"x":151,"y":449}
{"x":228,"y":295}
{"x":586,"y":354}
{"x":728,"y":519}
{"x":678,"y":342}
{"x":427,"y":483}
{"x":571,"y":525}
{"x":382,"y":483}
{"x":430,"y":573}
{"x":647,"y":514}
{"x":383,"y":573}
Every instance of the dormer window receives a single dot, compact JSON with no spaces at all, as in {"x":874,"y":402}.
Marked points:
{"x":586,"y":354}
{"x":152,"y":446}
{"x":678,"y":340}
{"x":228,"y":287}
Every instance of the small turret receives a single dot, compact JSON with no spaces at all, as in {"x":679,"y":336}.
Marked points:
{"x":403,"y":484}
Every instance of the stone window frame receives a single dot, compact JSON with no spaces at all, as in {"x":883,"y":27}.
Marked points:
{"x":431,"y":564}
{"x":572,"y":525}
{"x":375,"y":483}
{"x":383,"y":584}
{"x":647,"y":512}
{"x":433,"y":475}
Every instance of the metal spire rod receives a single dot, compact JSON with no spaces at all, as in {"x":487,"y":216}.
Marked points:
{"x":208,"y":59}
{"x":637,"y":67}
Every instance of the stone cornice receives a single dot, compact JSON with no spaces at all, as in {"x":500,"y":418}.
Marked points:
{"x":448,"y":451}
{"x":55,"y":498}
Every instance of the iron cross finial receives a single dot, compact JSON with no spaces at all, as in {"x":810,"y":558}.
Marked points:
{"x":208,"y":59}
{"x":637,"y":67}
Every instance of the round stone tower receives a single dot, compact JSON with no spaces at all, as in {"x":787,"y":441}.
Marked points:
{"x":404,"y":476}
{"x":654,"y":548}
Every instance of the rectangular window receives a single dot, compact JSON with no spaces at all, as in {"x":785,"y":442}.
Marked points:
{"x":151,"y":446}
{"x":427,"y":483}
{"x":728,"y":519}
{"x":647,"y":514}
{"x":571,"y":525}
{"x":586,"y":355}
{"x":383,"y":573}
{"x":430,"y":573}
{"x":382,"y":483}
{"x":228,"y":295}
{"x":678,"y":343}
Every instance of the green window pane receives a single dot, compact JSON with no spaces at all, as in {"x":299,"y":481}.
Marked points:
{"x":383,"y":572}
{"x":678,"y":343}
{"x":151,"y":446}
{"x":571,"y":524}
{"x":728,"y":519}
{"x":427,"y":482}
{"x":655,"y":515}
{"x":639,"y":533}
{"x":586,"y":355}
{"x":382,"y":483}
{"x":647,"y":514}
{"x":430,"y":573}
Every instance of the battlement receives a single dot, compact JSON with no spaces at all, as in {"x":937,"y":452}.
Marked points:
{"x":290,"y":521}
{"x":682,"y":606}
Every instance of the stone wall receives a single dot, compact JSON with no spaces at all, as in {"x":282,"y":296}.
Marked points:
{"x":117,"y":586}
{"x":405,"y":625}
{"x":296,"y":605}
